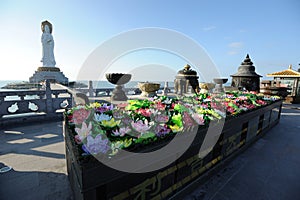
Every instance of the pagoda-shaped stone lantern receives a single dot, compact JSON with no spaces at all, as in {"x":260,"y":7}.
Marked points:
{"x":246,"y":77}
{"x":185,"y":78}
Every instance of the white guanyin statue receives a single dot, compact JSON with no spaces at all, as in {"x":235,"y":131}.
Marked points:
{"x":48,"y":59}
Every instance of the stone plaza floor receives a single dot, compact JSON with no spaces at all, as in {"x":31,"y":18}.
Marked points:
{"x":36,"y":154}
{"x":267,"y":170}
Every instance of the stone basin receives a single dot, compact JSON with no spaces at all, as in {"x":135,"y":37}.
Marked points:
{"x":118,"y":78}
{"x":220,"y":80}
{"x":148,"y":89}
{"x":207,"y":86}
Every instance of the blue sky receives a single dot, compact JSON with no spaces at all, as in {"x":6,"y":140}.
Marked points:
{"x":227,"y":30}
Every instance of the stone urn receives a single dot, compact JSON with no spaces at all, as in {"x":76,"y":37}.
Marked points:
{"x":118,"y":79}
{"x":219,"y":84}
{"x":148,"y":89}
{"x":206,"y":87}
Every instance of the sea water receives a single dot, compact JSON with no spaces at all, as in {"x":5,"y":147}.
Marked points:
{"x":96,"y":84}
{"x":131,"y":84}
{"x":100,"y":84}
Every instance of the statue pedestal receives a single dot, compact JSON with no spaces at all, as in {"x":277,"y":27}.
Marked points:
{"x":52,"y":73}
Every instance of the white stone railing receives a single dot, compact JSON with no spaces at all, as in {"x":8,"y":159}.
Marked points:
{"x":31,"y":105}
{"x":89,"y":91}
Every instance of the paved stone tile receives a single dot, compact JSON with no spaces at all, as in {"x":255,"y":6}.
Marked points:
{"x":39,"y":166}
{"x":34,"y":185}
{"x":268,"y":170}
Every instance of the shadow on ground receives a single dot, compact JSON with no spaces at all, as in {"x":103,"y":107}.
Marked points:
{"x":17,"y":185}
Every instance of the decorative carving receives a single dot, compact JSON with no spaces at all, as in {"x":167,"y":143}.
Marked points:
{"x":13,"y":108}
{"x":32,"y":106}
{"x":64,"y":104}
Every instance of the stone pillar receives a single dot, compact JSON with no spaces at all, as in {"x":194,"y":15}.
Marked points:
{"x":181,"y":86}
{"x":166,"y":88}
{"x":49,"y":98}
{"x":1,"y":101}
{"x":91,"y":89}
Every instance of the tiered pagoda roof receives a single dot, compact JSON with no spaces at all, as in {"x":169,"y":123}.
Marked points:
{"x":286,"y":73}
{"x":246,"y":69}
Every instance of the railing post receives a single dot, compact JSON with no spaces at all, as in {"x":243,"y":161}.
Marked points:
{"x":49,"y":105}
{"x":91,"y":92}
{"x":1,"y":101}
{"x":166,"y":89}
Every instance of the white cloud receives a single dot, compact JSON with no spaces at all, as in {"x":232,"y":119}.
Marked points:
{"x":209,"y":28}
{"x":236,"y":45}
{"x":235,"y":48}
